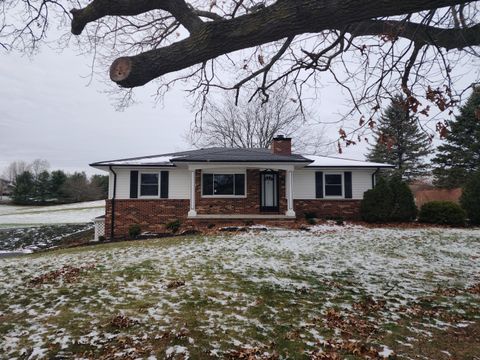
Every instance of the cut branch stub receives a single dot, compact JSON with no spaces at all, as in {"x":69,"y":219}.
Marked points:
{"x":120,"y":69}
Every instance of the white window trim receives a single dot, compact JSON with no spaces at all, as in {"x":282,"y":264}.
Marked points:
{"x":342,"y":185}
{"x":140,"y":185}
{"x":224,"y":172}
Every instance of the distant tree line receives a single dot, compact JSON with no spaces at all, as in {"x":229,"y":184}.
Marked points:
{"x":34,"y":184}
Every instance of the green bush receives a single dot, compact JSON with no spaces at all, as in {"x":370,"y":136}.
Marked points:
{"x":311,"y":221}
{"x":310,"y":215}
{"x":134,"y":231}
{"x":173,"y":226}
{"x":442,"y":212}
{"x":404,"y":208}
{"x":388,"y":201}
{"x":470,"y":199}
{"x":377,"y":203}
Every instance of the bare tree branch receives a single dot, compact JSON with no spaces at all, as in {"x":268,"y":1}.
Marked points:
{"x":285,"y":18}
{"x":97,"y":9}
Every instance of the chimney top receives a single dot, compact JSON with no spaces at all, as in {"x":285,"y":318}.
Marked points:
{"x":281,"y":137}
{"x":282,"y":145}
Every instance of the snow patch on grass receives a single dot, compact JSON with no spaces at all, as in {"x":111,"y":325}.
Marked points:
{"x":243,"y":290}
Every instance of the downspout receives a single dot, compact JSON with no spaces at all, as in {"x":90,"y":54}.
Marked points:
{"x":114,"y":194}
{"x":374,"y":177}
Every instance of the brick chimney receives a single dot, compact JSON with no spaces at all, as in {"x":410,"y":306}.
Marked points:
{"x":282,"y":145}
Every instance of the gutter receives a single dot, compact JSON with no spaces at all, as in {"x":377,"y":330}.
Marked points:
{"x":112,"y":221}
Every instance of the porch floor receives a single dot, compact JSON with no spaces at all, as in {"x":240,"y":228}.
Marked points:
{"x":243,"y":217}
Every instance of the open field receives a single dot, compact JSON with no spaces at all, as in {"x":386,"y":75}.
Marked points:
{"x":330,"y":293}
{"x":19,"y":216}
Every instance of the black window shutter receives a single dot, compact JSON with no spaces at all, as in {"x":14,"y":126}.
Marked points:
{"x":207,"y":184}
{"x":319,"y":184}
{"x":348,"y":184}
{"x":133,"y":184}
{"x":164,"y":184}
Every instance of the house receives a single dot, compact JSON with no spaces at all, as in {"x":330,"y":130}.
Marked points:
{"x":219,"y":184}
{"x":5,"y":188}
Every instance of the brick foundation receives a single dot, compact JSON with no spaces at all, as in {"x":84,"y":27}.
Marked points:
{"x":348,"y":209}
{"x":151,"y":215}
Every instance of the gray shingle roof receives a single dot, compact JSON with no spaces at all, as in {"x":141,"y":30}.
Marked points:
{"x":208,"y":155}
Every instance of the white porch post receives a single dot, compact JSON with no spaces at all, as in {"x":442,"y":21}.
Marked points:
{"x":290,"y":211}
{"x":192,"y":212}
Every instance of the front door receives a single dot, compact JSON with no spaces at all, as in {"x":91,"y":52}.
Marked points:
{"x":269,"y":191}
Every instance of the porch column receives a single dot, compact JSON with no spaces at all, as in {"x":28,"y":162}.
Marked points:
{"x":192,"y":212}
{"x":289,"y":189}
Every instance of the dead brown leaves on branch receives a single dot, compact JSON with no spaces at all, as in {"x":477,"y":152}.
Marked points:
{"x":477,"y":113}
{"x":442,"y":99}
{"x":67,"y":274}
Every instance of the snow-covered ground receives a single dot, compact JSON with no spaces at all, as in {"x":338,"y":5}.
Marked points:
{"x":289,"y":292}
{"x":17,"y":216}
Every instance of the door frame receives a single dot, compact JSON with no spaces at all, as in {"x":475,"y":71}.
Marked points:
{"x":276,"y":194}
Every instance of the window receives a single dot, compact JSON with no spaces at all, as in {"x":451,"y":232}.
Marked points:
{"x":333,"y":185}
{"x":223,"y":184}
{"x":149,"y":184}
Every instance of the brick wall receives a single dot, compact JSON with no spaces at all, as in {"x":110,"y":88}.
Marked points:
{"x":348,"y":209}
{"x":151,"y":215}
{"x":248,"y":205}
{"x":282,"y":146}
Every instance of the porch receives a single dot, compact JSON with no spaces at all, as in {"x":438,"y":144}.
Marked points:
{"x":254,"y":191}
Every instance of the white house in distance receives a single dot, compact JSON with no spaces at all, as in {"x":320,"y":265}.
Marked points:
{"x":221,"y":184}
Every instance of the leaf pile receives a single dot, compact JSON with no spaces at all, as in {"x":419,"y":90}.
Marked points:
{"x":350,"y":324}
{"x":474,"y":289}
{"x":122,"y":322}
{"x":337,"y":349}
{"x":175,"y":284}
{"x":67,"y":274}
{"x":254,"y":353}
{"x":125,"y":348}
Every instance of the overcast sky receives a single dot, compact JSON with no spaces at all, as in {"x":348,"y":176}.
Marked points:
{"x":47,"y":111}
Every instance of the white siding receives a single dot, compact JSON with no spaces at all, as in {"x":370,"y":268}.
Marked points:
{"x":304,"y":182}
{"x":361,"y":182}
{"x":179,"y":182}
{"x":123,"y":183}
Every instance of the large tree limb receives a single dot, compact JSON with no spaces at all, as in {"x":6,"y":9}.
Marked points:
{"x":97,"y":9}
{"x":285,"y":18}
{"x":419,"y":33}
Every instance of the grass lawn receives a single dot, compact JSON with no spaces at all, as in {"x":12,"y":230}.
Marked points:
{"x":330,"y":293}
